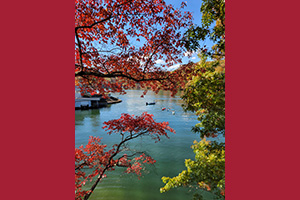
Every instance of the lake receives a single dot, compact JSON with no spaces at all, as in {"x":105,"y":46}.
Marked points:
{"x":169,"y":153}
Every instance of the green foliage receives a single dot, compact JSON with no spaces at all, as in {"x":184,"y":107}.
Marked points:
{"x":206,"y":172}
{"x":212,"y":28}
{"x":205,"y":95}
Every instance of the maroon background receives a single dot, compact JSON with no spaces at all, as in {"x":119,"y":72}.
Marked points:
{"x":262,"y":100}
{"x":37,"y":100}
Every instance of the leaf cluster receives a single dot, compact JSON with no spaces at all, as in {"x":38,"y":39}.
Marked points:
{"x":212,"y":28}
{"x":206,"y":172}
{"x":205,"y":95}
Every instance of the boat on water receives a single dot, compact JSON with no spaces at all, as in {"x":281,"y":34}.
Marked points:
{"x":150,"y":103}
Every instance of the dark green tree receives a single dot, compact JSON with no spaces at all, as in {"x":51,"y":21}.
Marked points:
{"x":212,"y":28}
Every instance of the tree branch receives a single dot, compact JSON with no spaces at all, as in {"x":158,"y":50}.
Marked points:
{"x":115,"y":74}
{"x":108,"y":165}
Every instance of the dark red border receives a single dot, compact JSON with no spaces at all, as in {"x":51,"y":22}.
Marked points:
{"x":37,"y":101}
{"x":262,"y":100}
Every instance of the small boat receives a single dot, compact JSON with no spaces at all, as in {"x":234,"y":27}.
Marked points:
{"x":163,"y":109}
{"x":150,"y":103}
{"x":173,"y":112}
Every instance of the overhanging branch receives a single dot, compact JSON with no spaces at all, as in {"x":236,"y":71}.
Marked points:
{"x":114,"y":75}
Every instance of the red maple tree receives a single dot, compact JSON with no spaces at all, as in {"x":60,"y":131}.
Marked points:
{"x":96,"y":157}
{"x":119,"y":43}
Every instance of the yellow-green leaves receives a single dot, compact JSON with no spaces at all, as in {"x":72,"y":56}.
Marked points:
{"x":206,"y":172}
{"x":205,"y":95}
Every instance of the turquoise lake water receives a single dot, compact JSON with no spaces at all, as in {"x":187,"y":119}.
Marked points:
{"x":169,"y":153}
